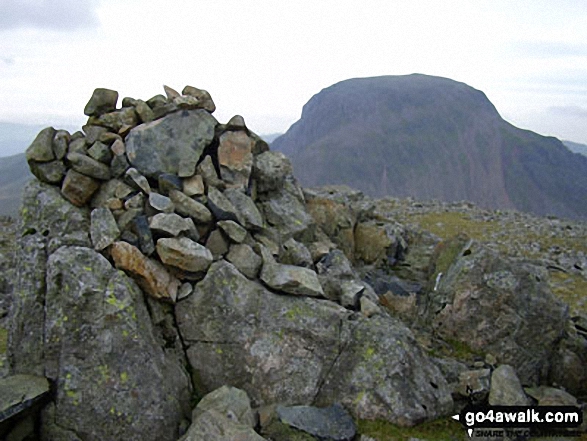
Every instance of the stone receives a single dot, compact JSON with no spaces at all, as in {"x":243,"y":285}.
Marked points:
{"x":194,"y":186}
{"x":170,"y":92}
{"x":237,"y":122}
{"x":249,"y":213}
{"x":20,"y":392}
{"x":304,"y":351}
{"x":138,"y":180}
{"x":184,"y":253}
{"x":377,"y":242}
{"x":164,"y":110}
{"x":231,"y":402}
{"x":103,"y":228}
{"x":157,"y":101}
{"x":368,"y":307}
{"x":50,"y":172}
{"x":522,"y":320}
{"x":61,"y":143}
{"x":506,"y":389}
{"x":217,"y":244}
{"x":245,"y":260}
{"x":221,"y":207}
{"x":150,"y":275}
{"x":119,"y":166}
{"x":331,"y":423}
{"x":296,"y":253}
{"x":140,"y":226}
{"x":208,"y":172}
{"x":186,"y":102}
{"x":89,"y":166}
{"x":41,"y":149}
{"x":100,"y":152}
{"x":351,"y":292}
{"x":78,"y":188}
{"x":168,"y":182}
{"x":172,"y":144}
{"x":161,"y":203}
{"x":270,"y":170}
{"x":171,"y":224}
{"x":233,"y":231}
{"x":235,"y":158}
{"x":118,"y":148}
{"x":551,"y":396}
{"x":78,"y":146}
{"x":213,"y":426}
{"x":187,"y":206}
{"x":333,"y":270}
{"x":144,"y":112}
{"x":113,"y":189}
{"x":93,"y":133}
{"x":136,"y":201}
{"x":474,"y":385}
{"x":102,"y":101}
{"x":289,"y":279}
{"x":120,"y":121}
{"x":287,"y":214}
{"x":202,"y":96}
{"x":184,"y":291}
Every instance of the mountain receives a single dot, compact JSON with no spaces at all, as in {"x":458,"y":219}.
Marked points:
{"x":576,"y":147}
{"x":431,"y":138}
{"x":14,"y":174}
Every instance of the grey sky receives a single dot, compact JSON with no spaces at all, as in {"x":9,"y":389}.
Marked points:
{"x":265,"y":59}
{"x":48,"y":14}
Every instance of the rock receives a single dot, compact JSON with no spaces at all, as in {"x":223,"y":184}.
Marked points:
{"x":100,"y":152}
{"x":137,"y":201}
{"x":61,"y":143}
{"x":144,"y":112}
{"x":187,"y":206}
{"x":41,"y":149}
{"x":250,"y":215}
{"x":245,"y":260}
{"x":474,"y":385}
{"x":506,"y":389}
{"x":289,"y":279}
{"x":151,"y":276}
{"x":88,"y":166}
{"x":522,"y":321}
{"x":333,"y":270}
{"x":235,"y":158}
{"x":120,"y":121}
{"x":140,"y":226}
{"x":168,"y":182}
{"x":138,"y":180}
{"x":213,"y":426}
{"x":217,"y":244}
{"x":296,"y":253}
{"x":161,"y":203}
{"x":172,"y":144}
{"x":208,"y":172}
{"x":157,"y":101}
{"x":204,"y":98}
{"x":103,"y":228}
{"x":171,"y":224}
{"x":102,"y":101}
{"x":237,"y":122}
{"x":184,"y":291}
{"x":118,"y":148}
{"x":184,"y":253}
{"x":78,"y":188}
{"x":50,"y":172}
{"x":368,"y":307}
{"x":119,"y":166}
{"x":270,"y":170}
{"x":194,"y":186}
{"x":377,"y":241}
{"x":78,"y":146}
{"x":287,"y":214}
{"x":231,"y":402}
{"x":221,"y":207}
{"x":93,"y":133}
{"x":550,"y":396}
{"x":234,"y":231}
{"x":330,"y":424}
{"x":350,"y":295}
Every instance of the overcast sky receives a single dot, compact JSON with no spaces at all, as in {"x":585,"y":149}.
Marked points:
{"x":264,"y":59}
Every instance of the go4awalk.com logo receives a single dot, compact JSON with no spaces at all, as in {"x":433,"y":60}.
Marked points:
{"x":520,"y":421}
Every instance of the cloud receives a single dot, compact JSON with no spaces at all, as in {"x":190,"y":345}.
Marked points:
{"x":568,"y":111}
{"x":63,"y":15}
{"x":548,"y":49}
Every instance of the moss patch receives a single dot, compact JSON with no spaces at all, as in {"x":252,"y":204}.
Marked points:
{"x":449,"y":224}
{"x":442,"y":429}
{"x":3,"y":340}
{"x":571,"y":289}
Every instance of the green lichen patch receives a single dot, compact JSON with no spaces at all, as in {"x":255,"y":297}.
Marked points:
{"x":3,"y":340}
{"x":571,"y":289}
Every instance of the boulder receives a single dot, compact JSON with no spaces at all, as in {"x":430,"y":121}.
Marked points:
{"x":270,"y":170}
{"x":102,"y":101}
{"x":78,"y":188}
{"x":204,"y":99}
{"x":379,"y":241}
{"x":103,"y":228}
{"x":172,"y":144}
{"x":184,"y":253}
{"x":214,"y":426}
{"x":247,"y":209}
{"x":41,"y":149}
{"x":187,"y":206}
{"x":235,"y":158}
{"x":245,"y":260}
{"x":233,"y":231}
{"x":221,"y":207}
{"x":49,"y":172}
{"x":231,"y":402}
{"x":506,"y":389}
{"x":329,"y":424}
{"x":171,"y":224}
{"x":88,"y":166}
{"x":287,"y":214}
{"x":161,"y":203}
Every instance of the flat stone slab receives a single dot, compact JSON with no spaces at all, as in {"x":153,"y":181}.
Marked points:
{"x":329,"y":424}
{"x":19,"y":392}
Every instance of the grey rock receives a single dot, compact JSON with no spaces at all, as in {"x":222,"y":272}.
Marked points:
{"x":88,"y":166}
{"x":103,"y":228}
{"x":186,"y":102}
{"x":187,"y":206}
{"x":235,"y":157}
{"x":289,"y":279}
{"x":237,"y":122}
{"x":138,"y":180}
{"x":231,"y":402}
{"x":221,"y":207}
{"x":185,"y":290}
{"x":168,"y":182}
{"x":78,"y":146}
{"x":118,"y":148}
{"x":474,"y":384}
{"x":161,"y":203}
{"x":136,"y":201}
{"x":102,"y":101}
{"x":247,"y":209}
{"x":214,"y":426}
{"x":194,"y":186}
{"x":329,"y":424}
{"x":296,"y":253}
{"x":217,"y":244}
{"x":61,"y":143}
{"x":93,"y":133}
{"x":184,"y":253}
{"x":270,"y":170}
{"x":20,"y":392}
{"x":233,"y":231}
{"x":119,"y":166}
{"x":113,"y":189}
{"x":120,"y":121}
{"x":171,"y":224}
{"x":41,"y":149}
{"x":100,"y":152}
{"x":551,"y":396}
{"x":506,"y":389}
{"x":350,"y":294}
{"x":170,"y":92}
{"x":208,"y":172}
{"x":368,"y":307}
{"x":156,"y":101}
{"x":172,"y":144}
{"x":144,"y":112}
{"x":287,"y":214}
{"x":78,"y":188}
{"x":50,"y":172}
{"x":333,"y":270}
{"x":245,"y":260}
{"x":202,"y":96}
{"x":140,"y":226}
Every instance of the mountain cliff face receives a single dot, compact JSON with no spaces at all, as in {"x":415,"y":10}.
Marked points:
{"x":431,"y":138}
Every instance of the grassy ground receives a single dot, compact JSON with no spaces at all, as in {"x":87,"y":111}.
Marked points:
{"x":445,"y":429}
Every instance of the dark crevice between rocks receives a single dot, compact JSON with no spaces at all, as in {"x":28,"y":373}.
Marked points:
{"x":212,"y":151}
